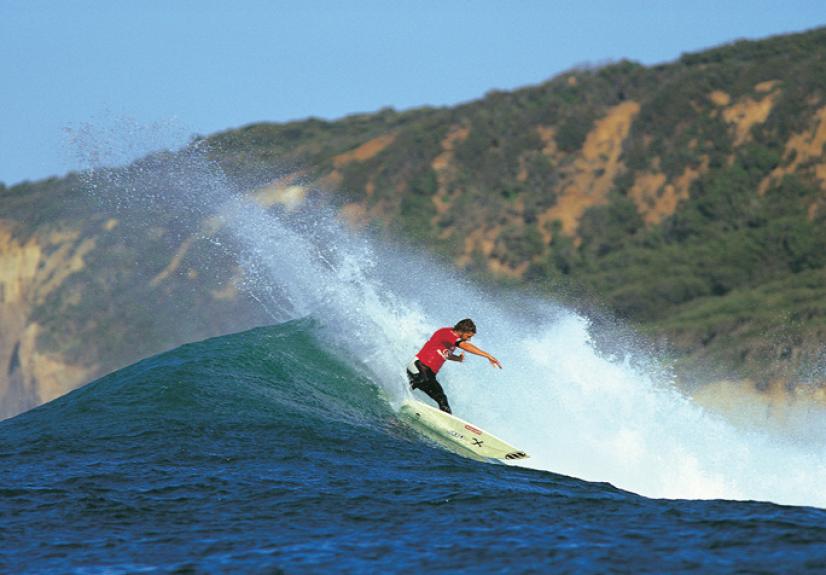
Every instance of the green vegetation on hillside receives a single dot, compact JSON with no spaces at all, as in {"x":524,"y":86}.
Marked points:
{"x":710,"y":231}
{"x":724,"y":243}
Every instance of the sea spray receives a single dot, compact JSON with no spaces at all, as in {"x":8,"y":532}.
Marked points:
{"x":575,"y":411}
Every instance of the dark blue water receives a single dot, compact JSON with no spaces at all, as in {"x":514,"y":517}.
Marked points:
{"x":260,"y":452}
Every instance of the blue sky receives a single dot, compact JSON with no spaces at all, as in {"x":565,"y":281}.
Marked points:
{"x":170,"y":69}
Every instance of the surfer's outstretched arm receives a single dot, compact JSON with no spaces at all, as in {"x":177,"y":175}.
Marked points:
{"x":470,"y":348}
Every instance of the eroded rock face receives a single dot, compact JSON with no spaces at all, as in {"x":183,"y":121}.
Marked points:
{"x":74,"y":305}
{"x":29,"y":272}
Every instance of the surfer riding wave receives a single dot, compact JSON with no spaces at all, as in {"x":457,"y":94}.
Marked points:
{"x":439,"y":348}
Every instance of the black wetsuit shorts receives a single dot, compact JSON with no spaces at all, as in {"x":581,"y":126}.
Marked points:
{"x":425,"y":380}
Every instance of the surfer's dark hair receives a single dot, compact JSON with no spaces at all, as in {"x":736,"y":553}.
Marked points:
{"x":465,"y":325}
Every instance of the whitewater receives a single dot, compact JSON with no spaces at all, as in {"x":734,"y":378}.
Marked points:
{"x":616,"y":419}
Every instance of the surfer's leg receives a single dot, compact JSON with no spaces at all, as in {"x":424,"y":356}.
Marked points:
{"x":434,"y":390}
{"x":426,"y":381}
{"x":413,"y":379}
{"x":438,"y":395}
{"x":416,"y":375}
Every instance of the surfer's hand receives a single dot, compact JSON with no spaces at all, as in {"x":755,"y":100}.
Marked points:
{"x":495,"y":362}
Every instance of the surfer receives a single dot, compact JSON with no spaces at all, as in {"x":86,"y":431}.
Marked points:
{"x":440,"y":347}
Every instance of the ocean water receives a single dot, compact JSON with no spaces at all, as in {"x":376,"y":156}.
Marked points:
{"x":278,"y":449}
{"x":263,"y":452}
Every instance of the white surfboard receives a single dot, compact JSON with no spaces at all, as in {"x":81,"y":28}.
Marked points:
{"x":457,"y":434}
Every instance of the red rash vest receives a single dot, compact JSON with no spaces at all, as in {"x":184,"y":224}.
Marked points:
{"x":440,"y":345}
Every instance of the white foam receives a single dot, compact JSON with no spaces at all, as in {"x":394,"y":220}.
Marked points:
{"x":574,"y":411}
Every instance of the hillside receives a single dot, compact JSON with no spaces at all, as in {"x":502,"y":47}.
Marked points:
{"x":688,"y":200}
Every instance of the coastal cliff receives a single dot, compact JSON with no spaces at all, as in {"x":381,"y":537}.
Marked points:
{"x":686,"y":200}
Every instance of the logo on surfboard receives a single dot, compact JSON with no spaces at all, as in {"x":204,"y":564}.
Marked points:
{"x":472,"y":429}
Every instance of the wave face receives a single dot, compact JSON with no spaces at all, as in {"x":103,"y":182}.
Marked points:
{"x":578,"y":412}
{"x":265,"y":451}
{"x":616,"y":419}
